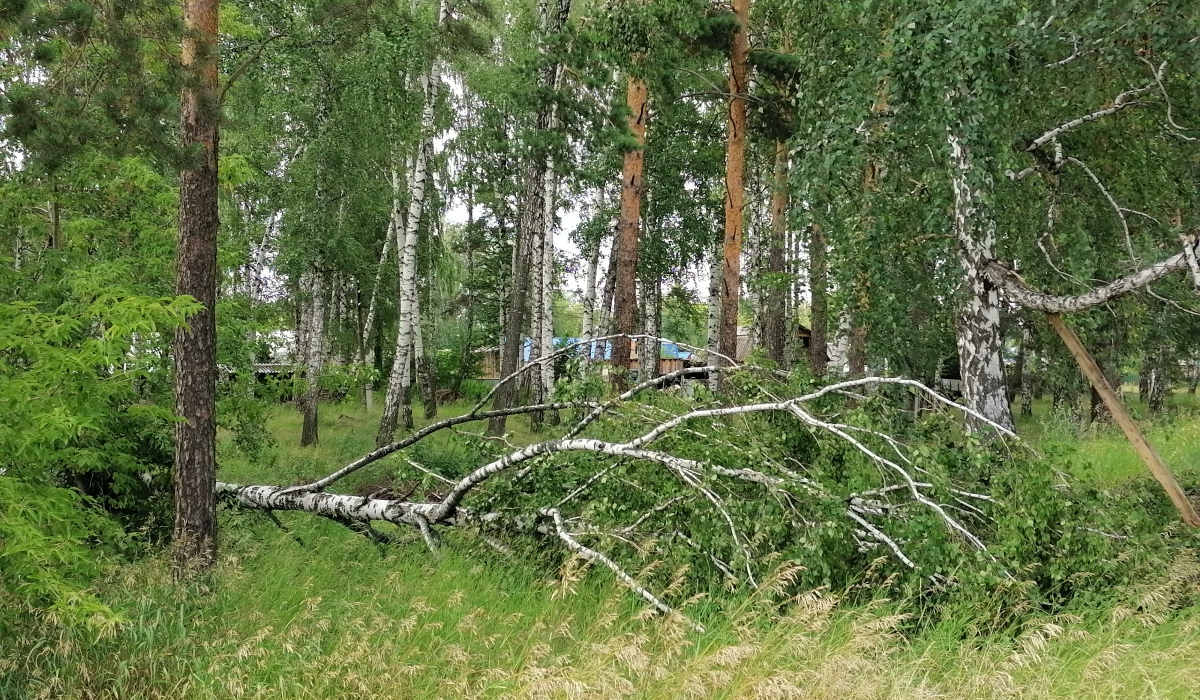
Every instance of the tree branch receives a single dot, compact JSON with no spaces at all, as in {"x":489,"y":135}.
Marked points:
{"x":1018,"y":291}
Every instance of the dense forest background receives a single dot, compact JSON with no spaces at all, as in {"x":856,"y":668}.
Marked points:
{"x":389,"y":206}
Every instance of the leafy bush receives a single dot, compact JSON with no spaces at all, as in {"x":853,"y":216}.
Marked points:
{"x":85,"y":445}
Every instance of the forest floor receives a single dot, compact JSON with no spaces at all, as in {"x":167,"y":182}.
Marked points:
{"x":318,"y":612}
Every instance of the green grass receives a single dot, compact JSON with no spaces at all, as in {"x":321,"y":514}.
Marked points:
{"x":318,"y":612}
{"x":1105,"y":456}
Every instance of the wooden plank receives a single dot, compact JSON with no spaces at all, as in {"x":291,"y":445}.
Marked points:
{"x":1144,"y":449}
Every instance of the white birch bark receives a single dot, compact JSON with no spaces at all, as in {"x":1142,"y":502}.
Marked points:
{"x":589,"y":289}
{"x":839,"y":349}
{"x":401,"y":379}
{"x":978,"y":322}
{"x":367,"y":352}
{"x":546,"y":335}
{"x":589,"y":300}
{"x":537,"y":257}
{"x":603,"y":312}
{"x":1017,"y":291}
{"x":312,"y":321}
{"x":649,"y":346}
{"x":713,"y":343}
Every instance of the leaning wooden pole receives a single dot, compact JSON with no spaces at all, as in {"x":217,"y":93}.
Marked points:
{"x":1144,"y":449}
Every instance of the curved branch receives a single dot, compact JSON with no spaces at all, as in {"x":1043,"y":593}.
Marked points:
{"x":380,"y":453}
{"x":1018,"y":291}
{"x":1120,"y":102}
{"x":594,"y":557}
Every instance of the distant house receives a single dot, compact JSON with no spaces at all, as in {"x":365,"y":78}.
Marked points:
{"x":746,"y":341}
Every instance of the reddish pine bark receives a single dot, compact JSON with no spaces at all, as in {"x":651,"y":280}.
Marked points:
{"x":195,"y":533}
{"x":735,"y":165}
{"x":625,"y":299}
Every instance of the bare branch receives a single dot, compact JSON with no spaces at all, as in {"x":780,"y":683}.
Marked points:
{"x":376,"y":455}
{"x":1018,"y":291}
{"x":1116,"y":207}
{"x":1120,"y":102}
{"x":878,"y":535}
{"x":594,"y":557}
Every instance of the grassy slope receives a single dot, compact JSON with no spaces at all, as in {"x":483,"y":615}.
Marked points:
{"x":317,"y":612}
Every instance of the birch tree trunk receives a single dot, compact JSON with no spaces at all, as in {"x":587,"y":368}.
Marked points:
{"x":589,"y":290}
{"x":372,"y":305}
{"x":735,"y":164}
{"x":537,"y":259}
{"x":425,"y":368}
{"x":195,"y":534}
{"x":1026,"y":393}
{"x":400,"y":381}
{"x":604,"y":313}
{"x":313,"y":320}
{"x":649,"y":356}
{"x":978,"y":322}
{"x":1017,"y":378}
{"x":546,"y":336}
{"x":511,"y":349}
{"x":628,"y":225}
{"x":713,"y":338}
{"x":856,"y":350}
{"x":775,"y":301}
{"x":553,"y":21}
{"x":818,"y":346}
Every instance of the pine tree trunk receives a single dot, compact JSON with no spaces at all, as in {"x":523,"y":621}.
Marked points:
{"x":195,"y":535}
{"x":628,"y":224}
{"x":735,"y":165}
{"x":774,"y":305}
{"x":314,"y":353}
{"x":978,"y":322}
{"x":818,"y":346}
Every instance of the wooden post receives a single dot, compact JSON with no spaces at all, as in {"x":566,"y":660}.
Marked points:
{"x":1140,"y":444}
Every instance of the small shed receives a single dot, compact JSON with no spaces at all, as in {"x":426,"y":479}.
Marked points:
{"x":746,"y":340}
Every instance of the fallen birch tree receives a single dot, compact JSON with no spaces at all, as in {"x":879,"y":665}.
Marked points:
{"x":643,"y":461}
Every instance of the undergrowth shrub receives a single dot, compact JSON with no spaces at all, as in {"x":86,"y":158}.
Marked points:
{"x":85,"y":444}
